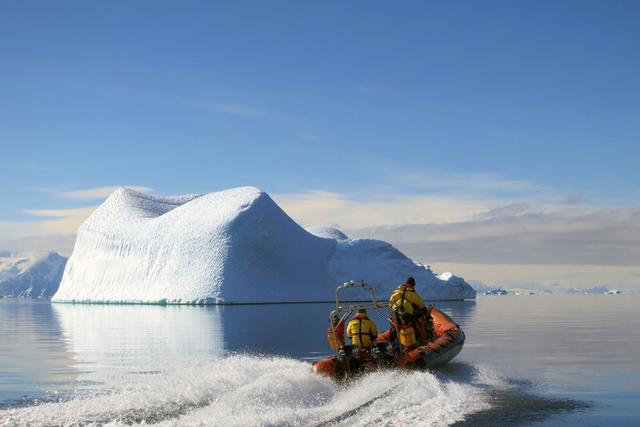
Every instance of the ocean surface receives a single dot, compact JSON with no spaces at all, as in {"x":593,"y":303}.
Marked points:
{"x":527,"y":361}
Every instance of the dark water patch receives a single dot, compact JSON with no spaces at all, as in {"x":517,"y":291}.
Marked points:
{"x":27,"y":401}
{"x":516,"y":408}
{"x":466,"y":373}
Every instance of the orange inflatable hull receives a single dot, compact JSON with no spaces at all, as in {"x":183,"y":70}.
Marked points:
{"x":448,"y":342}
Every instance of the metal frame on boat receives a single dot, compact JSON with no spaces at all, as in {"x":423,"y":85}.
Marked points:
{"x":448,"y":338}
{"x":345,"y":311}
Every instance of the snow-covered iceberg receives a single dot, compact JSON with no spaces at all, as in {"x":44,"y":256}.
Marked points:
{"x":232,"y":246}
{"x":31,"y":275}
{"x":457,"y":282}
{"x":328,"y":233}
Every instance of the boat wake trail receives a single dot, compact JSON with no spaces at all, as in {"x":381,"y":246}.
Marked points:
{"x":354,"y":411}
{"x":247,"y":390}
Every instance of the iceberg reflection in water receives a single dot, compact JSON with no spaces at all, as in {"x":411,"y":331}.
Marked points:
{"x":110,"y":343}
{"x":33,"y":353}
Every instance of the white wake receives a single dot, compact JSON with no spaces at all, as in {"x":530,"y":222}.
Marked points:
{"x":261,"y":391}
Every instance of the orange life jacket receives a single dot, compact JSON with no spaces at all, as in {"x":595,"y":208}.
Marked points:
{"x":337,"y":341}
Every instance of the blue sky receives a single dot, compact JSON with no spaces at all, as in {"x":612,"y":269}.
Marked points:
{"x":540,"y":100}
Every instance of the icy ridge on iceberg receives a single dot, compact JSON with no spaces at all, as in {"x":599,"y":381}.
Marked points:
{"x":232,"y":246}
{"x":458,"y":283}
{"x":328,"y":233}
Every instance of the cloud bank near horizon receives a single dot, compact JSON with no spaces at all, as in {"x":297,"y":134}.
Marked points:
{"x":524,"y":234}
{"x":494,"y":238}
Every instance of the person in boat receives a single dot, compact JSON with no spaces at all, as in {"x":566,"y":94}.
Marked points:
{"x":406,"y":334}
{"x":335,"y":333}
{"x":410,"y":309}
{"x":362,"y":331}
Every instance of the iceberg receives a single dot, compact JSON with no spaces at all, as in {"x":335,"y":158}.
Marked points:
{"x":328,"y":233}
{"x":231,"y":246}
{"x":31,"y":275}
{"x":458,"y":283}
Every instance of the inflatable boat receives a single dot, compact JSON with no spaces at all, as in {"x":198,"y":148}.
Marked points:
{"x":445,"y":342}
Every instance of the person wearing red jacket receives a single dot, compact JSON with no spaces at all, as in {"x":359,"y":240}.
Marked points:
{"x":336,"y":340}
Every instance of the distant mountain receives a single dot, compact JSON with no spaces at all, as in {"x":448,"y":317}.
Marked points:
{"x":31,"y":275}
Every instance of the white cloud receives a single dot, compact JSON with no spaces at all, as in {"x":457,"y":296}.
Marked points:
{"x":588,"y":237}
{"x":59,"y":222}
{"x":56,"y":232}
{"x":97,"y":192}
{"x":62,"y":244}
{"x":13,"y":229}
{"x":56,"y":222}
{"x":325,"y":208}
{"x":61,"y":213}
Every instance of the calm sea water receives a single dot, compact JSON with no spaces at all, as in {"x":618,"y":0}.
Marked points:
{"x":536,"y":361}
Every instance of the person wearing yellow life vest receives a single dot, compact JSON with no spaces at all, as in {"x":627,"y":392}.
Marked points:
{"x":407,"y":336}
{"x":406,"y":299}
{"x":410,"y":309}
{"x":362,"y":330}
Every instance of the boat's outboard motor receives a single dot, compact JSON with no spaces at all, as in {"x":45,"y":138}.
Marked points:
{"x":382,"y":354}
{"x":347,"y":355}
